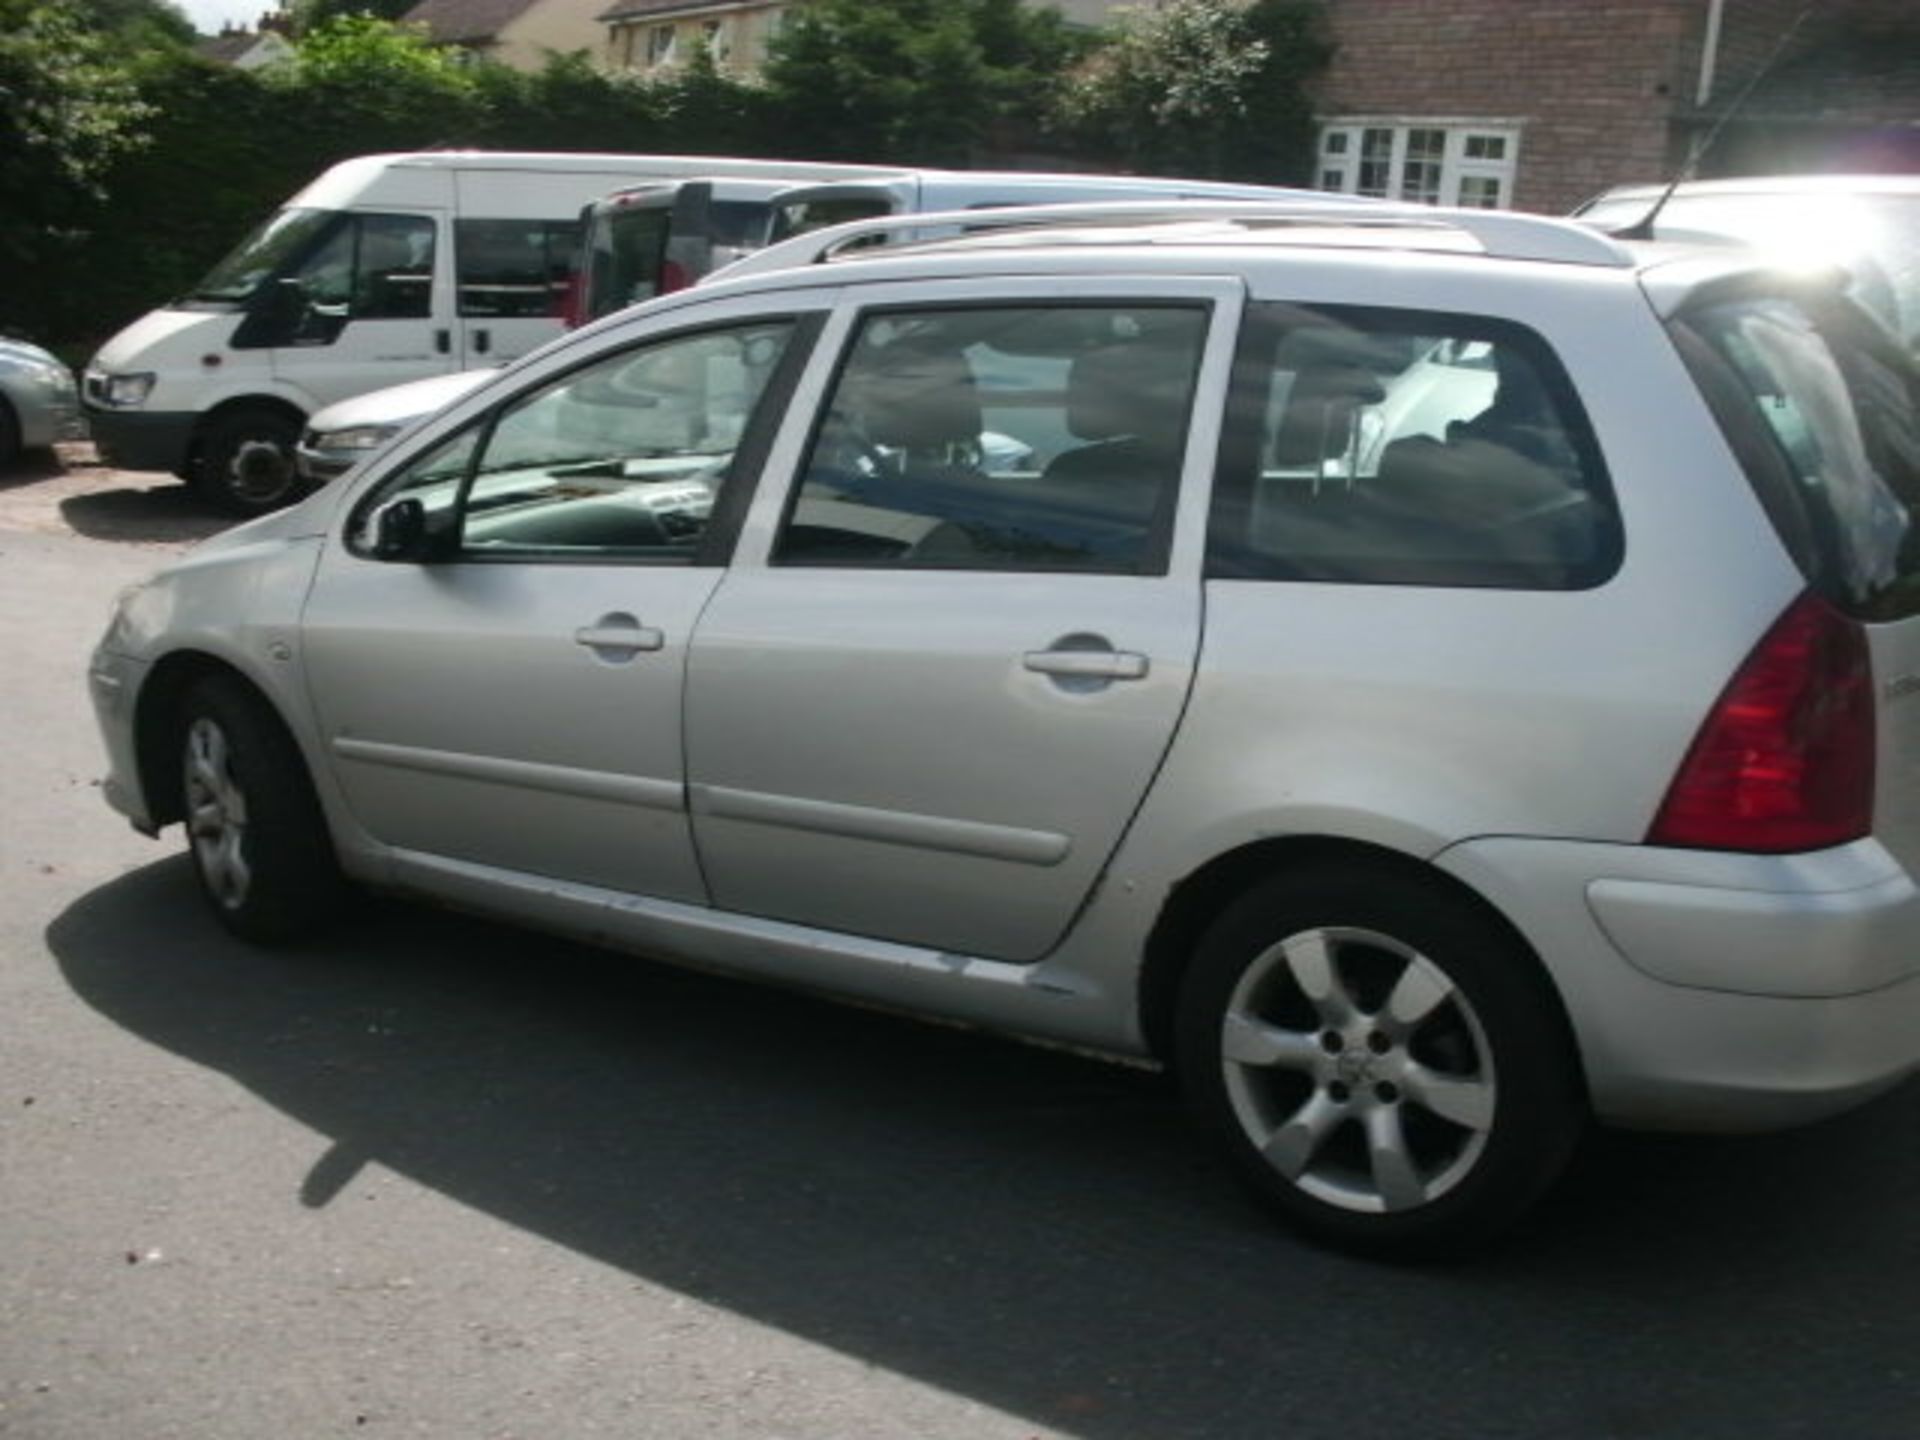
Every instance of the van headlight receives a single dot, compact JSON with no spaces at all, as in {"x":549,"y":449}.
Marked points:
{"x":122,"y":392}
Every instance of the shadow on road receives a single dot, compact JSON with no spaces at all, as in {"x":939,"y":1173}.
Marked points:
{"x":1035,"y":1231}
{"x":30,"y":466}
{"x":159,"y":510}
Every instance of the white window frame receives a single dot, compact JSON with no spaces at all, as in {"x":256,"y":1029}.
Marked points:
{"x":660,"y":50}
{"x":1388,"y":140}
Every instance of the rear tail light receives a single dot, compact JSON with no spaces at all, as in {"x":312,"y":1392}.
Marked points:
{"x":673,"y":276}
{"x":573,"y":301}
{"x":1784,"y":760}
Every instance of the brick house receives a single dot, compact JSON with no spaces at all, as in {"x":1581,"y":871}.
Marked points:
{"x":1539,"y":104}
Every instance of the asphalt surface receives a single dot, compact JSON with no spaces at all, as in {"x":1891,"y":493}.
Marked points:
{"x":438,"y":1178}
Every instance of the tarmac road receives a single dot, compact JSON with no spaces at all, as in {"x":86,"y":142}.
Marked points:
{"x":438,"y":1178}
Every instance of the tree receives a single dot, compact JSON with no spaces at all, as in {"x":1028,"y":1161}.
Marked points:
{"x":909,"y":81}
{"x":137,"y":24}
{"x":68,"y":110}
{"x":1202,"y":87}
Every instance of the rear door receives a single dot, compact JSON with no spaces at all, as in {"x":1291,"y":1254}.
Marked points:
{"x":951,"y":654}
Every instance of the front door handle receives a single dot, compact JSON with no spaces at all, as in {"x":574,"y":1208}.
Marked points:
{"x":480,"y":340}
{"x":1087,"y":664}
{"x":619,"y":636}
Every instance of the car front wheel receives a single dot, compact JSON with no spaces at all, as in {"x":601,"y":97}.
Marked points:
{"x":259,"y":841}
{"x":1385,"y":1064}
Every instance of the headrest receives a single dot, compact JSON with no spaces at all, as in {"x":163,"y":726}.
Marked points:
{"x":913,"y":399}
{"x":1135,"y":388}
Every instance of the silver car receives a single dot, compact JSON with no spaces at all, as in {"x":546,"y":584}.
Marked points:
{"x":39,"y":401}
{"x":1431,"y":681}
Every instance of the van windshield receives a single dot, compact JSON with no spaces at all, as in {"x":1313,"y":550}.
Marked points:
{"x":266,"y":252}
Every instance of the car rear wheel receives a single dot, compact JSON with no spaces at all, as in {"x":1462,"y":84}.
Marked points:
{"x":246,"y":461}
{"x":254,"y":826}
{"x":1384,"y":1062}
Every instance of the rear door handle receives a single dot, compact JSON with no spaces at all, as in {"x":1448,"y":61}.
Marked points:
{"x":443,"y":341}
{"x":1087,"y":664}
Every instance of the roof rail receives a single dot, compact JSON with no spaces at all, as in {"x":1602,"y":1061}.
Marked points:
{"x":1504,"y":234}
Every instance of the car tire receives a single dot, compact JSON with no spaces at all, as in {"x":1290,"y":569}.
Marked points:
{"x":259,"y":841}
{"x":246,"y":463}
{"x":1385,"y":1063}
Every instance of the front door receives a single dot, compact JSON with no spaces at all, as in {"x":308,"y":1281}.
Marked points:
{"x":507,"y":691}
{"x":372,"y":308}
{"x":938,"y":681}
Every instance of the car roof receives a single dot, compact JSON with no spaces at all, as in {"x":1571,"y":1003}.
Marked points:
{"x":1770,"y":185}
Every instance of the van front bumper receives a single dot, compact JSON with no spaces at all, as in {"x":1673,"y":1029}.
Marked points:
{"x":1719,"y":992}
{"x":143,"y":439}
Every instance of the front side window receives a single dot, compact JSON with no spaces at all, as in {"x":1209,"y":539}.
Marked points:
{"x":371,"y":267}
{"x":624,"y":458}
{"x":514,"y":269}
{"x":1824,"y":411}
{"x":1017,"y":438}
{"x":1406,"y":447}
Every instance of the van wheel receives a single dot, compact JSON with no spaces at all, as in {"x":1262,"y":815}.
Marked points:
{"x":246,"y":461}
{"x":1384,"y":1064}
{"x":259,"y":840}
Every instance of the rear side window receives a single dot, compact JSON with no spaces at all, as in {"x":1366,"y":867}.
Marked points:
{"x":1823,"y":410}
{"x":1394,"y":447}
{"x":514,"y":269}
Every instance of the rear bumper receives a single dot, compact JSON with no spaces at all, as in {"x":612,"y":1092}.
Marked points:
{"x":143,"y":440}
{"x":1719,"y":992}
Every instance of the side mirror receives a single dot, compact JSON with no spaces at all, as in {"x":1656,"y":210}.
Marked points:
{"x":275,"y":317}
{"x":400,"y":533}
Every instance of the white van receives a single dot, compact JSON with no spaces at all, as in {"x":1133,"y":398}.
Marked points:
{"x":388,"y":268}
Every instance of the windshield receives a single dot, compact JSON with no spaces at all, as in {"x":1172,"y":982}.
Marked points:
{"x":1875,"y":237}
{"x":264,"y":253}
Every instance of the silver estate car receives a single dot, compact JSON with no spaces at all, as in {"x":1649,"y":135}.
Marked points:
{"x":1431,"y":680}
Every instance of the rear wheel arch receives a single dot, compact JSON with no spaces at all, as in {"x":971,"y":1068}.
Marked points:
{"x":1198,"y":900}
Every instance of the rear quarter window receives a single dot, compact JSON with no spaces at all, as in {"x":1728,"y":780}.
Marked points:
{"x":1393,"y":447}
{"x":1822,"y":409}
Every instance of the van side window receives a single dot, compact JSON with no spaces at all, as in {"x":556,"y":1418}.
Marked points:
{"x":513,"y":269}
{"x":1044,"y":437}
{"x":371,"y":267}
{"x":1407,"y":448}
{"x":622,"y":459}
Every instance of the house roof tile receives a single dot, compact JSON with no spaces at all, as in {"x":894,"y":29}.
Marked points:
{"x":453,"y":22}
